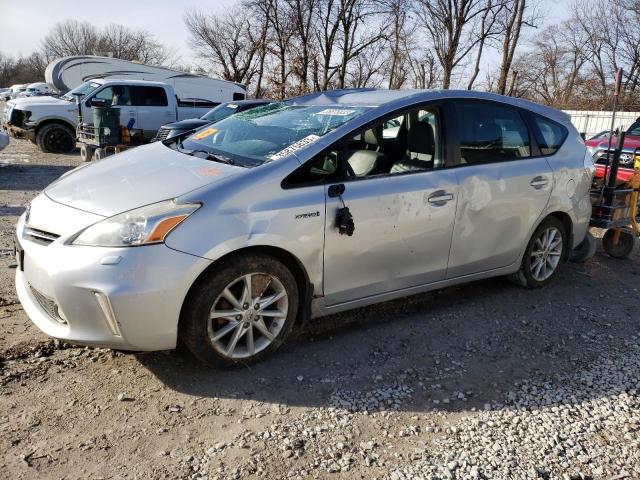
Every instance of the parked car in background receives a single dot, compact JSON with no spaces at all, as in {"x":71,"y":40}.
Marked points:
{"x":220,"y":112}
{"x":36,"y":89}
{"x":231,"y":237}
{"x":600,"y":149}
{"x":51,"y":122}
{"x":12,"y":92}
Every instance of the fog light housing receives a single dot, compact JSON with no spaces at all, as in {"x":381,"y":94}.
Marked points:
{"x":107,"y":311}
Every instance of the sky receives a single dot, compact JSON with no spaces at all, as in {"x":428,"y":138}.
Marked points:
{"x":23,"y":24}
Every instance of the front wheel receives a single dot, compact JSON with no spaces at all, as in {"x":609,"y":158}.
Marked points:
{"x":544,"y":253}
{"x":240,"y":312}
{"x":56,"y":138}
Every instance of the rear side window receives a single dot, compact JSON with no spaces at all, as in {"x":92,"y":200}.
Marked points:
{"x":549,"y":134}
{"x":490,"y":132}
{"x":149,"y":96}
{"x":238,"y":96}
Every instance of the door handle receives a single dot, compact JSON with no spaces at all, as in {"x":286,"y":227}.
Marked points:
{"x":539,"y":182}
{"x":440,"y":198}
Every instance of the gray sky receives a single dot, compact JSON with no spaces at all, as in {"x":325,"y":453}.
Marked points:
{"x":23,"y":24}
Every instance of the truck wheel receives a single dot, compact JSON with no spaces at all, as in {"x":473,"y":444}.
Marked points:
{"x":241,"y":311}
{"x":628,"y":244}
{"x":86,"y":152}
{"x":56,"y":138}
{"x":585,"y":251}
{"x":99,"y":153}
{"x":544,"y":253}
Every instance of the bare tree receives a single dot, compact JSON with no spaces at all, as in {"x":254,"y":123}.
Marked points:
{"x":398,"y":64}
{"x":448,"y":24}
{"x":303,"y":13}
{"x":513,"y":18}
{"x":357,"y":33}
{"x":487,"y":28}
{"x":224,"y":41}
{"x":138,"y":45}
{"x":71,"y":37}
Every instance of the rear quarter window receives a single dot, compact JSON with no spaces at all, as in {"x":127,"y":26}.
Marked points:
{"x":549,"y":134}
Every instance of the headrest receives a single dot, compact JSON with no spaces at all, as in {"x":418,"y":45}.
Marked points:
{"x":372,"y":136}
{"x":420,"y":139}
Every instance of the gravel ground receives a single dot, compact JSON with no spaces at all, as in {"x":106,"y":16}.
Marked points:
{"x":484,"y":380}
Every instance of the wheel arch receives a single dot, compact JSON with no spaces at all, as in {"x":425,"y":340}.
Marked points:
{"x":295,"y":266}
{"x":567,"y":223}
{"x":59,"y":121}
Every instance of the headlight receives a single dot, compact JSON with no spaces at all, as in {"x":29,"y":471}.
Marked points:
{"x":592,"y":150}
{"x":142,"y":226}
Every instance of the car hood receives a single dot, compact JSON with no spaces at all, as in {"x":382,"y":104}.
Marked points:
{"x":631,"y":142}
{"x":134,"y":178}
{"x":187,"y":124}
{"x":23,"y":102}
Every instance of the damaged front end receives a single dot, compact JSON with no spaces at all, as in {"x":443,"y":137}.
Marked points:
{"x":17,"y":123}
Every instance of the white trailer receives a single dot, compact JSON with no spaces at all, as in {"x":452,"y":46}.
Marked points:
{"x":196,"y":90}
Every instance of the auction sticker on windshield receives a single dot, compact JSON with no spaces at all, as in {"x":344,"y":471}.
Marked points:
{"x":205,"y":133}
{"x":336,"y":111}
{"x":308,"y":140}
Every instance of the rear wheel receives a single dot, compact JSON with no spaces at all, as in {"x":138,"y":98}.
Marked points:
{"x":620,"y":243}
{"x":241,"y":311}
{"x":56,"y":138}
{"x":585,"y":251}
{"x":543,"y":255}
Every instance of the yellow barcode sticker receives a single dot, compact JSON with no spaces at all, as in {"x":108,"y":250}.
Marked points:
{"x":205,"y":133}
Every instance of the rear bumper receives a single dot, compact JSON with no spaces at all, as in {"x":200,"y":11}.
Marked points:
{"x":124,"y":298}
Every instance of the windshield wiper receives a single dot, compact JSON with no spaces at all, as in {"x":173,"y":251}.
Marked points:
{"x":211,"y":156}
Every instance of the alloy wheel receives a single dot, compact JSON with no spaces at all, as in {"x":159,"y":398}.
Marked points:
{"x":546,"y":253}
{"x":248,"y":315}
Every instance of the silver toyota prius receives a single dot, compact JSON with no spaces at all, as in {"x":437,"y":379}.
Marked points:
{"x":233,"y":236}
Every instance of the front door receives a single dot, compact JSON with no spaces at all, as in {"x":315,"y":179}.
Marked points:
{"x":403,"y":204}
{"x":115,"y":96}
{"x":403,"y":226}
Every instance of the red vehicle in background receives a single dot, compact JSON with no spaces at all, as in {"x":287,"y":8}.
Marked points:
{"x":600,"y":148}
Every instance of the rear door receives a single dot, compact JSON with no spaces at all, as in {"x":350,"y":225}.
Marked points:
{"x":154,"y":108}
{"x":504,"y":186}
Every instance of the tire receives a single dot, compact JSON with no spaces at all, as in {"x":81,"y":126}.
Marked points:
{"x":56,"y":138}
{"x":531,"y":274}
{"x":585,"y":250}
{"x":628,"y":244}
{"x":99,"y":154}
{"x":222,"y":289}
{"x":86,"y":152}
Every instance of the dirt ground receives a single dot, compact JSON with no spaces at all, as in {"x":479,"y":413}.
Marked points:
{"x":485,"y":380}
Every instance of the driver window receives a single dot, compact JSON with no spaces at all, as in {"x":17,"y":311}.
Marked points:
{"x":115,"y":96}
{"x":407,"y":143}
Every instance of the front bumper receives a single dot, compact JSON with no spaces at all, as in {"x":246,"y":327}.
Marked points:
{"x":144,"y":288}
{"x":18,"y":132}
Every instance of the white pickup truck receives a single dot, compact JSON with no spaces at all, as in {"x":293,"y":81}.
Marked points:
{"x":51,"y":122}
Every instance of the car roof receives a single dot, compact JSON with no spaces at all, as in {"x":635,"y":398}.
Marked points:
{"x":127,"y":81}
{"x":372,"y":97}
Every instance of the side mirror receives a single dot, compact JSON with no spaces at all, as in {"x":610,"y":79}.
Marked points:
{"x":98,"y":102}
